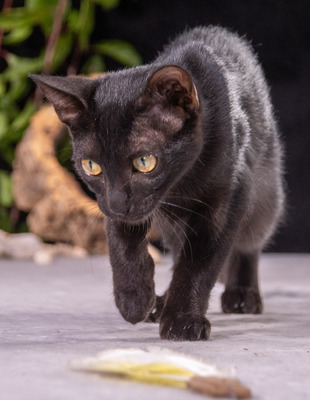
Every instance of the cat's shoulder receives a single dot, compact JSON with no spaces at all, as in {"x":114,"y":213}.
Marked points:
{"x":220,"y":41}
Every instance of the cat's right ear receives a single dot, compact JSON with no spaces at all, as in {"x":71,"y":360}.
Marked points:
{"x":172,"y":87}
{"x":68,"y":95}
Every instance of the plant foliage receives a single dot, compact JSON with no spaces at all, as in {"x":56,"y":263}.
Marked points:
{"x":67,"y":45}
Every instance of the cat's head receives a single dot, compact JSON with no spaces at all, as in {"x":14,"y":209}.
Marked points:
{"x":135,"y":133}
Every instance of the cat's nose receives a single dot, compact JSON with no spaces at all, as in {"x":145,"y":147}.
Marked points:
{"x":118,"y":203}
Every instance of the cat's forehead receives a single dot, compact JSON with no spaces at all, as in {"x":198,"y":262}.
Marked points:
{"x":120,"y":87}
{"x":115,"y":97}
{"x":120,"y":124}
{"x":117,"y":118}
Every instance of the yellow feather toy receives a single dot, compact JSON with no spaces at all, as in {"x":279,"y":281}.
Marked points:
{"x":165,"y":367}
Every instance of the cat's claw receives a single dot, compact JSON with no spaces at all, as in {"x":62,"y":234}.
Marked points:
{"x":155,"y":314}
{"x":184,"y":327}
{"x":135,"y":305}
{"x":241,"y":300}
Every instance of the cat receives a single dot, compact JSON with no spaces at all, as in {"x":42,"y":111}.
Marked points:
{"x":188,"y":142}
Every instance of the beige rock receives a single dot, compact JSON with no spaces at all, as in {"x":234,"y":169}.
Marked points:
{"x":59,"y":210}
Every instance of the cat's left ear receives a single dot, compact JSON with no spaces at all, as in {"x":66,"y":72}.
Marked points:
{"x":172,"y":85}
{"x":69,"y":95}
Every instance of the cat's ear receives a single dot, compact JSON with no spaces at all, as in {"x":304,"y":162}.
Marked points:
{"x":172,"y":85}
{"x":69,"y":95}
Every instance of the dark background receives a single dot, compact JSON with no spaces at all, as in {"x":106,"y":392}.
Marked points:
{"x":280,"y":33}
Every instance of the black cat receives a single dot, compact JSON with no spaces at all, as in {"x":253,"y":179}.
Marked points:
{"x":188,"y":142}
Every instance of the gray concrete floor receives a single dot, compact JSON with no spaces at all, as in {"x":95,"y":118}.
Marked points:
{"x":51,"y":315}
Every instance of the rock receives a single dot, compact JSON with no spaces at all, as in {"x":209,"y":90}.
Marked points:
{"x":59,"y":210}
{"x":29,"y":246}
{"x":20,"y":246}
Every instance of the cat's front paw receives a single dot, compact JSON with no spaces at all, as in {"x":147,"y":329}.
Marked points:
{"x":242,"y":300}
{"x":184,"y":327}
{"x":135,"y":305}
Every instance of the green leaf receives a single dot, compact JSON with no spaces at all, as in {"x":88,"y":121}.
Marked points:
{"x":9,"y":107}
{"x":73,"y":20}
{"x":22,"y":121}
{"x":47,"y":23}
{"x":93,"y":64}
{"x":37,"y":4}
{"x":120,"y":51}
{"x":4,"y":124}
{"x":15,"y":18}
{"x":17,"y":35}
{"x":17,"y":88}
{"x":14,"y":131}
{"x":108,"y":4}
{"x":63,"y":49}
{"x":22,"y":227}
{"x":21,"y":66}
{"x":2,"y":87}
{"x":86,"y":23}
{"x":6,"y":189}
{"x":7,"y":153}
{"x":5,"y":222}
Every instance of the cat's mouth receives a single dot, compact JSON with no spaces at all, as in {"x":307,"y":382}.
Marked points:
{"x":130,"y":212}
{"x":134,"y":220}
{"x":130,"y":217}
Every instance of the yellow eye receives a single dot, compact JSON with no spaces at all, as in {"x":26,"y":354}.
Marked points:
{"x":90,"y":167}
{"x":145,"y":163}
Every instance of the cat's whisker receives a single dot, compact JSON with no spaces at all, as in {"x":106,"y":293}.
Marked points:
{"x":94,"y":208}
{"x":186,"y":237}
{"x":201,"y":162}
{"x":183,"y":208}
{"x":174,"y":230}
{"x":205,"y":217}
{"x":181,"y":220}
{"x":92,"y":225}
{"x":126,"y":183}
{"x":208,"y":220}
{"x":159,"y":227}
{"x":168,"y":219}
{"x":65,"y":151}
{"x":90,"y":202}
{"x":181,"y":197}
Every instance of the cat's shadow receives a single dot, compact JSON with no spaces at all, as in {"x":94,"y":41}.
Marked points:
{"x":271,"y":324}
{"x":224,"y":327}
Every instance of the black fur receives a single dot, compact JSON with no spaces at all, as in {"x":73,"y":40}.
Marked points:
{"x":203,"y":109}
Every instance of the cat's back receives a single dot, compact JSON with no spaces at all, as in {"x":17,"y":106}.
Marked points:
{"x":232,"y":51}
{"x":245,"y":82}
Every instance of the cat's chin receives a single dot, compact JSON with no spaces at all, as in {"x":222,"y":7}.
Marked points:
{"x":136,"y":221}
{"x":130,"y":222}
{"x":130,"y":219}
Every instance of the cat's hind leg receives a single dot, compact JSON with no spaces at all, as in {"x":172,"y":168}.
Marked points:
{"x":241,"y":295}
